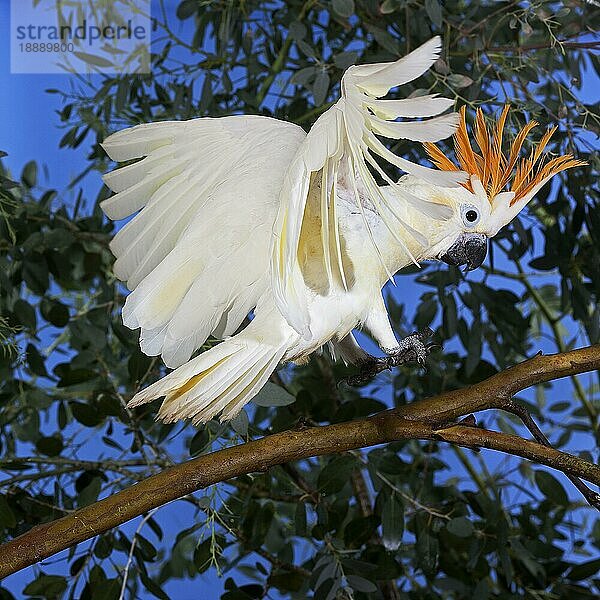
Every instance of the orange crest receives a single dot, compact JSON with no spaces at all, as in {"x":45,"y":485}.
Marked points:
{"x":492,"y":166}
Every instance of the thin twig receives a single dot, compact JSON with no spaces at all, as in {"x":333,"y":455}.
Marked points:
{"x":131,"y":549}
{"x":512,"y":407}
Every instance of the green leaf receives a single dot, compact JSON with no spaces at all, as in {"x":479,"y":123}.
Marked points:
{"x":392,"y":522}
{"x":450,"y":315}
{"x":89,"y":493}
{"x":343,"y":60}
{"x":344,"y":8}
{"x":551,"y":488}
{"x":50,"y":446}
{"x":303,"y":76}
{"x":152,"y":586}
{"x":460,"y":527}
{"x":35,"y":361}
{"x":204,"y":552}
{"x":69,"y":376}
{"x":321,"y":87}
{"x":46,"y":586}
{"x":29,"y":174}
{"x":360,"y":584}
{"x":262,"y":523}
{"x":24,"y":314}
{"x":389,"y":6}
{"x":433,"y":8}
{"x":359,"y":531}
{"x":474,"y":347}
{"x":186,"y":9}
{"x":544,"y":263}
{"x":35,"y":274}
{"x":57,"y":239}
{"x":199,"y":441}
{"x":391,"y":464}
{"x":297,"y":30}
{"x":54,"y":312}
{"x":336,"y":474}
{"x":428,"y":549}
{"x":458,"y":81}
{"x":300,"y":519}
{"x":383,"y":38}
{"x":240,"y":423}
{"x":109,"y":590}
{"x":7,"y":517}
{"x":426,"y":312}
{"x":306,"y":48}
{"x":584,"y":570}
{"x":84,"y":413}
{"x":287,"y":581}
{"x":138,"y":366}
{"x":273,"y":395}
{"x":93,"y":59}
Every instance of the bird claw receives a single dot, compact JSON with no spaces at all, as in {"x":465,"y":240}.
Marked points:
{"x":413,"y":348}
{"x":370,"y":369}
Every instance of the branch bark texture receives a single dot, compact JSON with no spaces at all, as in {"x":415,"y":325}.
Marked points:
{"x":429,"y":419}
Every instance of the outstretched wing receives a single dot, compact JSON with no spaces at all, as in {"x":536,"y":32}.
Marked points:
{"x":342,"y":144}
{"x":197,"y":254}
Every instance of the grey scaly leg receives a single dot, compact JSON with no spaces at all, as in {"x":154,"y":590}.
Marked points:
{"x":413,"y":348}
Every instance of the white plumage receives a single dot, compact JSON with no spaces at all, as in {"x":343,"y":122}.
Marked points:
{"x":248,"y":213}
{"x":196,"y":255}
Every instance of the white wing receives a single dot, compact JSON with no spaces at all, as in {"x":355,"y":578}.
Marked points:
{"x":343,"y":142}
{"x":197,"y":255}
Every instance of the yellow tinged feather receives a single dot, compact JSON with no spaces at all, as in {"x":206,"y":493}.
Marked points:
{"x":336,"y":232}
{"x":190,"y":383}
{"x":325,"y":222}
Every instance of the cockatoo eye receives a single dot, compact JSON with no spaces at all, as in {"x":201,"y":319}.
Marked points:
{"x":470,"y":215}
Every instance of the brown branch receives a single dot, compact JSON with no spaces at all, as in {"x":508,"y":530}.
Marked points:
{"x":592,"y":497}
{"x":472,"y":437}
{"x":427,"y":419}
{"x":547,"y":46}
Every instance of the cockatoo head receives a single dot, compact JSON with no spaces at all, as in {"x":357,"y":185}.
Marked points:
{"x":499,"y":186}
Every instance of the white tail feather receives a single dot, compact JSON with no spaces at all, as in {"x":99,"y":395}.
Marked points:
{"x":220,"y":380}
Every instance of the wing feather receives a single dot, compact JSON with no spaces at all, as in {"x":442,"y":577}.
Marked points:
{"x":196,"y":255}
{"x":343,"y":143}
{"x":379,"y":78}
{"x":422,"y":106}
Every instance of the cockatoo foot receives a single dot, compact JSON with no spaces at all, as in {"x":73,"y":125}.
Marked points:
{"x":413,"y":348}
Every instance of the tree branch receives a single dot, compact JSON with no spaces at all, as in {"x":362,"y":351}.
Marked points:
{"x":427,"y":419}
{"x":592,"y":497}
{"x":547,"y":46}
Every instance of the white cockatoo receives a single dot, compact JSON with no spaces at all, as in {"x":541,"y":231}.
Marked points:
{"x":248,"y":215}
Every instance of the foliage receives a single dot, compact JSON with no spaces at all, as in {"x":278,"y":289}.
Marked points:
{"x":394,"y":522}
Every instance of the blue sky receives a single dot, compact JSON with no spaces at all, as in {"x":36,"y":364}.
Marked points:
{"x":29,"y":129}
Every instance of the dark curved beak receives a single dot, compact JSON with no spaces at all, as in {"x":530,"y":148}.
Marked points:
{"x":469,"y":249}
